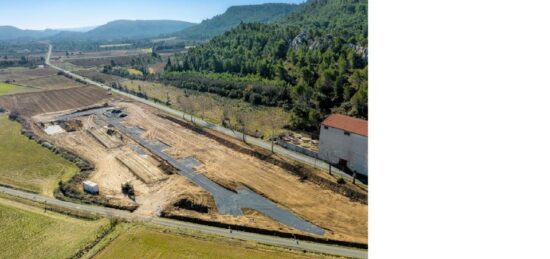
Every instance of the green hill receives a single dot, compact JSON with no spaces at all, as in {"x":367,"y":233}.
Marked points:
{"x":319,"y":52}
{"x":12,"y":33}
{"x":234,"y":15}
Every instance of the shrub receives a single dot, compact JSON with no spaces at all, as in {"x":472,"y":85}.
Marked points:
{"x":341,"y":180}
{"x":13,"y":115}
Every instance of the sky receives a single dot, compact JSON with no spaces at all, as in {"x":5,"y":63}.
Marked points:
{"x":56,"y":14}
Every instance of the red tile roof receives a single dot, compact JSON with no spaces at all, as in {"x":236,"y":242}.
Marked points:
{"x":347,"y":123}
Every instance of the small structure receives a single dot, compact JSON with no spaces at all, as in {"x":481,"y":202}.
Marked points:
{"x":90,"y":187}
{"x":344,"y":141}
{"x":53,"y":129}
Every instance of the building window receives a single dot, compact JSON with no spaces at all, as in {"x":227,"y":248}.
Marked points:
{"x":346,"y":133}
{"x":326,"y":127}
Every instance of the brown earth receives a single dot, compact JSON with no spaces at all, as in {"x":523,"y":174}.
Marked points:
{"x":110,"y":173}
{"x":20,"y":73}
{"x":342,"y":218}
{"x":99,"y":77}
{"x":29,"y":104}
{"x":50,"y":82}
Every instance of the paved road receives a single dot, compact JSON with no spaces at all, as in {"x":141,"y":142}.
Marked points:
{"x":266,"y":239}
{"x":249,"y":139}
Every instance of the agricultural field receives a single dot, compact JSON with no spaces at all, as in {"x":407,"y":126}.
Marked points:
{"x":29,"y":104}
{"x":15,"y":74}
{"x":102,"y":61}
{"x":99,"y":77}
{"x":29,"y":232}
{"x":26,"y":164}
{"x":97,"y":54}
{"x":143,"y":242}
{"x":259,"y":120}
{"x":6,"y":88}
{"x":50,"y":83}
{"x":38,"y":79}
{"x":101,"y":58}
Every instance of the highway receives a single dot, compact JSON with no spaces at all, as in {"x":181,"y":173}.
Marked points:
{"x":265,"y":239}
{"x":229,"y":132}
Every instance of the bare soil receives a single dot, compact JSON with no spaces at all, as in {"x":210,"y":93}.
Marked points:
{"x":342,"y":218}
{"x":29,"y":104}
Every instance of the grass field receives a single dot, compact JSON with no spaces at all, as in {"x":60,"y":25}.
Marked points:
{"x":26,"y":164}
{"x":211,"y":107}
{"x":143,"y":242}
{"x":11,"y":88}
{"x":134,"y":72}
{"x":29,"y":232}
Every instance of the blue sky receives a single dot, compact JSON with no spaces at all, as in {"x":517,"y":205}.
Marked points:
{"x":39,"y":14}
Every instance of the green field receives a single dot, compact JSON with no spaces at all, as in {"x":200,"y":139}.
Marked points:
{"x":135,"y":72}
{"x":28,"y":232}
{"x":26,"y":164}
{"x":142,"y":242}
{"x":11,"y":88}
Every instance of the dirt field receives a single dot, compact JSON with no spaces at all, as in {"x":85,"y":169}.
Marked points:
{"x":146,"y":171}
{"x":100,"y":77}
{"x":343,"y":219}
{"x":110,"y":173}
{"x":21,"y":73}
{"x":109,"y":141}
{"x":37,"y":79}
{"x":29,"y":104}
{"x":50,"y":82}
{"x":338,"y":215}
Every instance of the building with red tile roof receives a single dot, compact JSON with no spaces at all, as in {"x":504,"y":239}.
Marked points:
{"x":347,"y":123}
{"x":344,"y":141}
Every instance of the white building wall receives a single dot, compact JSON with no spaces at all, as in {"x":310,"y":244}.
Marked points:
{"x":335,"y":145}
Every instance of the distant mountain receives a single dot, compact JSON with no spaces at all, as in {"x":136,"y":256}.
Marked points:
{"x":127,"y":29}
{"x":115,"y":30}
{"x":78,"y":29}
{"x":137,"y":29}
{"x":234,"y":15}
{"x":12,"y":33}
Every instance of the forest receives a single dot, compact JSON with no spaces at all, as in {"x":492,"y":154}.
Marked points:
{"x":313,"y":62}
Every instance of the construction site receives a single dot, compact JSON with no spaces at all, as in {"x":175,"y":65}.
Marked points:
{"x":155,"y":164}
